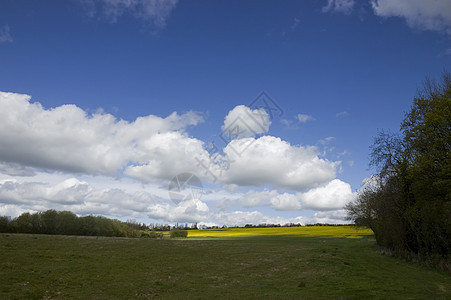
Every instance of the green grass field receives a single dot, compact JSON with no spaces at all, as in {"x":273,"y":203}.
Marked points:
{"x":303,"y":263}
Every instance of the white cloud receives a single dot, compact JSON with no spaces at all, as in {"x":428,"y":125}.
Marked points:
{"x":241,"y":218}
{"x":333,"y":195}
{"x":66,"y":138}
{"x":155,"y":11}
{"x":327,"y":140}
{"x":5,"y":35}
{"x":342,"y":6}
{"x":286,"y":201}
{"x":304,"y":118}
{"x":15,"y":169}
{"x":269,"y":160}
{"x":420,"y":14}
{"x":166,"y":155}
{"x":342,"y":114}
{"x":11,"y":210}
{"x":286,"y":122}
{"x":257,"y":198}
{"x":329,"y":217}
{"x":189,"y":211}
{"x":243,"y":122}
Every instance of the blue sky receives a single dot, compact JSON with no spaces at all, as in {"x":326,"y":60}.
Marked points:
{"x":339,"y":70}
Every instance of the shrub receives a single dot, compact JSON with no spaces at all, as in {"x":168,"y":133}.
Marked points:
{"x":176,"y":233}
{"x":151,"y":234}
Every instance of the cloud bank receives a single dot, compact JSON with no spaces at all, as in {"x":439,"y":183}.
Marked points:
{"x":70,"y":143}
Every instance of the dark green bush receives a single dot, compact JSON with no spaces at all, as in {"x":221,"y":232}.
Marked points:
{"x":151,"y":234}
{"x":178,"y":233}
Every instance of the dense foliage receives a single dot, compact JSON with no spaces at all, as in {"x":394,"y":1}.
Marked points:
{"x":408,"y":203}
{"x":67,"y":223}
{"x":178,"y":233}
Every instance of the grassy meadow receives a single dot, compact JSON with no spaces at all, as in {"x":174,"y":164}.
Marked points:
{"x":255,"y":263}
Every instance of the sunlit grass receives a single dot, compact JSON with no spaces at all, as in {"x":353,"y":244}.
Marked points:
{"x":323,"y":231}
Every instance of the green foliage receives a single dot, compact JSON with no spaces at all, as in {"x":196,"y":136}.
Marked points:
{"x":178,"y":233}
{"x":409,"y":206}
{"x":151,"y":234}
{"x":4,"y":224}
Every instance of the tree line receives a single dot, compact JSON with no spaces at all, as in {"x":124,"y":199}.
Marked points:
{"x":68,"y":223}
{"x":407,"y":203}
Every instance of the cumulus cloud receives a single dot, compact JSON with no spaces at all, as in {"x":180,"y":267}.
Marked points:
{"x":286,"y":201}
{"x":166,"y":155}
{"x":5,"y":35}
{"x":13,"y":211}
{"x":243,"y":122}
{"x":333,"y":195}
{"x":304,"y":118}
{"x":420,"y":14}
{"x":189,"y":211}
{"x":257,"y":198}
{"x":269,"y":160}
{"x":155,"y":11}
{"x":342,"y":6}
{"x":66,"y":138}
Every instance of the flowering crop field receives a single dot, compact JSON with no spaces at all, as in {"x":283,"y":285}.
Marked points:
{"x":318,"y":231}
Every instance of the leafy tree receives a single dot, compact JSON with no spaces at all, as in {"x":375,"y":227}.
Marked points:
{"x":23,"y":223}
{"x":49,"y":220}
{"x":5,"y":225}
{"x":67,"y":223}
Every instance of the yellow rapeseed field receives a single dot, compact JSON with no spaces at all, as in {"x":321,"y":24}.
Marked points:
{"x":323,"y":231}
